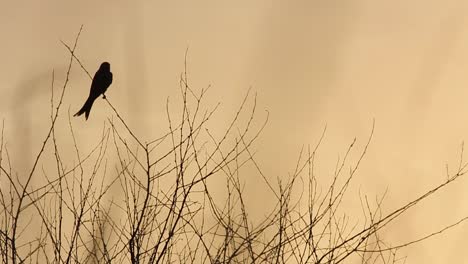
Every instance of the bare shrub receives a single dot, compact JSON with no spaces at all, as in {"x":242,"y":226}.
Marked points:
{"x":167,"y":211}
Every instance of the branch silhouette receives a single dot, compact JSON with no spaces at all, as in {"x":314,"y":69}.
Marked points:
{"x":160,"y":200}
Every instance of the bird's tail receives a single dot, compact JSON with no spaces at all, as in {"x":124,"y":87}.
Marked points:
{"x":86,"y":108}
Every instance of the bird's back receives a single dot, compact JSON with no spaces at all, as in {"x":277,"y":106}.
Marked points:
{"x":101,"y":81}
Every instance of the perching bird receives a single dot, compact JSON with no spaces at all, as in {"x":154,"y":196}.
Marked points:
{"x":102,"y":79}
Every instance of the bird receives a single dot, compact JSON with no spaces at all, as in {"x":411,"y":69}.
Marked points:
{"x":101,"y":81}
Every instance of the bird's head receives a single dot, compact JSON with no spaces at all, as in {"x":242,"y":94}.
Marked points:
{"x":105,"y":66}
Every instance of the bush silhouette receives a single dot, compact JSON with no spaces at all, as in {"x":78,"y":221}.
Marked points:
{"x":166,"y":210}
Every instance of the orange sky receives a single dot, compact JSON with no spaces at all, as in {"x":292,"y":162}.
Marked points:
{"x":312,"y":63}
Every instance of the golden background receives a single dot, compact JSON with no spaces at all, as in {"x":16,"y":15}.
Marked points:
{"x":312,"y":63}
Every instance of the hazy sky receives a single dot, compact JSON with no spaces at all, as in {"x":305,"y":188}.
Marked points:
{"x":312,"y":63}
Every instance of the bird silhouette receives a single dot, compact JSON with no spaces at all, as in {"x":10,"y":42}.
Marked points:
{"x":101,"y":81}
